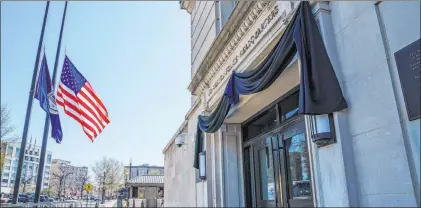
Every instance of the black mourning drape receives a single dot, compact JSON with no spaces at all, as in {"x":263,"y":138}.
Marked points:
{"x":319,"y":93}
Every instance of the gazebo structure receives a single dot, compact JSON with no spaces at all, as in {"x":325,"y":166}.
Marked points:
{"x":146,"y":191}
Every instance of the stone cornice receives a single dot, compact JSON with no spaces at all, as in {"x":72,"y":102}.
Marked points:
{"x":239,"y":22}
{"x":188,"y":5}
{"x":193,"y":108}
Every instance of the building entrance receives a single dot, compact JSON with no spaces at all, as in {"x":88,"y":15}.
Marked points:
{"x":277,"y":165}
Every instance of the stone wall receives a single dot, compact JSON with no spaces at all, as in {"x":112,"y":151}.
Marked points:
{"x":377,"y":155}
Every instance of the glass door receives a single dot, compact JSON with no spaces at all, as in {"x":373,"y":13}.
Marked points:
{"x":295,"y":167}
{"x":265,"y":181}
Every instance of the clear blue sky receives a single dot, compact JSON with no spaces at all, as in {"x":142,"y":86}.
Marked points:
{"x":136,"y":55}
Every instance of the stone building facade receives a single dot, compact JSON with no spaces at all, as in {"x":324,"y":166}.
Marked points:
{"x":375,"y":160}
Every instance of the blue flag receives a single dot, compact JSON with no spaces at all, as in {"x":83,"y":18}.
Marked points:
{"x":45,"y":94}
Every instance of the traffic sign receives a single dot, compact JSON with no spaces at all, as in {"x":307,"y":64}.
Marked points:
{"x":88,"y":187}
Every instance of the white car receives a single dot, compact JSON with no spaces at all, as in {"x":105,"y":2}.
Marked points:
{"x":4,"y":198}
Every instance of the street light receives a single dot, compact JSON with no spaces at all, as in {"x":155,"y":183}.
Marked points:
{"x":130,"y":169}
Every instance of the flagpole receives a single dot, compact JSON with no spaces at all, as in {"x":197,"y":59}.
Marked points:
{"x":41,"y":166}
{"x":28,"y":112}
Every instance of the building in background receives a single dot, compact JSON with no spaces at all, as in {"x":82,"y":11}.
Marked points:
{"x":145,"y":169}
{"x":264,"y":154}
{"x":30,"y":167}
{"x":72,"y":177}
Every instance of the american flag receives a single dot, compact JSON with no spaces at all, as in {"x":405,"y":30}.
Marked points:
{"x":80,"y":101}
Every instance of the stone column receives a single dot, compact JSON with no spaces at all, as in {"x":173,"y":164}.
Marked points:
{"x":333,"y":169}
{"x":231,"y":166}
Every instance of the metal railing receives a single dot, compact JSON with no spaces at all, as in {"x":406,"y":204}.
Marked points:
{"x":146,"y":203}
{"x":47,"y":204}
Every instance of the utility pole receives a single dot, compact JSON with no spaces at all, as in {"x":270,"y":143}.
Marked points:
{"x":47,"y":117}
{"x":28,"y":111}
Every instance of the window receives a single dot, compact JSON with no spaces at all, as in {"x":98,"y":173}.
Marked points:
{"x":289,"y":107}
{"x":223,"y":12}
{"x":263,"y":123}
{"x":48,"y":159}
{"x":17,"y":152}
{"x":266,"y":121}
{"x":9,"y":151}
{"x":31,"y":152}
{"x":4,"y":180}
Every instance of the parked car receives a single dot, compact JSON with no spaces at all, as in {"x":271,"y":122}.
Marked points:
{"x":43,"y":198}
{"x":24,"y":198}
{"x":4,"y":198}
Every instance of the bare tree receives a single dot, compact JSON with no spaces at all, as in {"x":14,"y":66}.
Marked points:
{"x":25,"y":180}
{"x":60,"y":179}
{"x":108,"y":172}
{"x":5,"y":122}
{"x":6,"y":128}
{"x":81,"y":181}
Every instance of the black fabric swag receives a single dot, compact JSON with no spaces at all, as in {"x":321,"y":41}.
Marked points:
{"x":319,"y":93}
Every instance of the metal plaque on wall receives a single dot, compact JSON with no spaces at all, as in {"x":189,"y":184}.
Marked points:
{"x":408,"y":61}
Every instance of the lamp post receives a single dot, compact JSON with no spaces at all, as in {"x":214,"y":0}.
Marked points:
{"x":130,"y":169}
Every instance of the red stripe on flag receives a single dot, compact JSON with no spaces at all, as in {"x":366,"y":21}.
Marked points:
{"x":67,"y":94}
{"x":95,"y":104}
{"x":94,"y":113}
{"x":89,"y":118}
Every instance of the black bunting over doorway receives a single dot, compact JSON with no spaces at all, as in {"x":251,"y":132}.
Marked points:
{"x":319,"y":93}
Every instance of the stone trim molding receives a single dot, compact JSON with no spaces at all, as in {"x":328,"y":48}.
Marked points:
{"x":240,"y":21}
{"x":245,"y":48}
{"x":280,"y":22}
{"x":193,"y":108}
{"x":188,"y":5}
